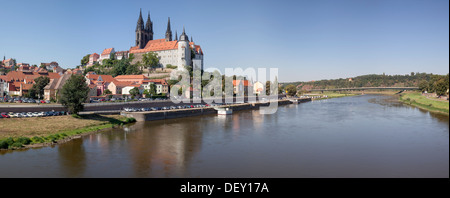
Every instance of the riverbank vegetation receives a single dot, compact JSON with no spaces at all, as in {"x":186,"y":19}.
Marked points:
{"x":17,"y":132}
{"x":330,"y":95}
{"x":431,"y":104}
{"x":372,"y":80}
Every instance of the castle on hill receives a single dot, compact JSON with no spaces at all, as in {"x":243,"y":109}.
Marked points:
{"x":176,"y":51}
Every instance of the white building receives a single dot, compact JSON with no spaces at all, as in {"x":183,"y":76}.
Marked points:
{"x":4,"y":88}
{"x":106,"y":54}
{"x":126,"y":89}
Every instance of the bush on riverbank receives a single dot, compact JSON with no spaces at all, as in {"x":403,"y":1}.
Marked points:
{"x":9,"y":143}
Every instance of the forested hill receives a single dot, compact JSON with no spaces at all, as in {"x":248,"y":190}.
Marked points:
{"x":372,"y":80}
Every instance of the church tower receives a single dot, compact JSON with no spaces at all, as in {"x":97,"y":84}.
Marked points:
{"x":140,"y":32}
{"x":149,"y":29}
{"x":168,"y":32}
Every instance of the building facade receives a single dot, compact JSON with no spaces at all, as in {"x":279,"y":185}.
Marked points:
{"x":178,"y":51}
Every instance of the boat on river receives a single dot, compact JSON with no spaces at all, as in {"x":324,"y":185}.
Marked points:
{"x":224,"y":111}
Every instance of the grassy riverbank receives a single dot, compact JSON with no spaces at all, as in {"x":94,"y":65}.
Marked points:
{"x":334,"y":95}
{"x":17,"y":132}
{"x":418,"y":100}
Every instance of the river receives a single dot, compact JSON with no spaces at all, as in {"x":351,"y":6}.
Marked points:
{"x":361,"y":136}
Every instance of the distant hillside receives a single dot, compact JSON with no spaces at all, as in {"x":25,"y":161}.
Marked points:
{"x":372,"y":80}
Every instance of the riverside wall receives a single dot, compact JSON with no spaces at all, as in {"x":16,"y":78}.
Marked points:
{"x":180,"y":113}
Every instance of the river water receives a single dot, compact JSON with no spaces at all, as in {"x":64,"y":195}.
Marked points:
{"x":362,"y":136}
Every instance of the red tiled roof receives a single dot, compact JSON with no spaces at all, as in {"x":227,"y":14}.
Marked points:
{"x":21,"y":76}
{"x":140,"y":77}
{"x":107,"y":51}
{"x":105,"y":78}
{"x":94,"y":54}
{"x":156,"y":45}
{"x":27,"y":86}
{"x":237,"y":82}
{"x":121,"y":83}
{"x":198,"y":49}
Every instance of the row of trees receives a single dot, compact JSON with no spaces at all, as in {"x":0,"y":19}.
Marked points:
{"x":437,"y":84}
{"x":115,"y":67}
{"x":372,"y":80}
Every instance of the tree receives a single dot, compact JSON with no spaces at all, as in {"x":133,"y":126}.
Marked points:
{"x":268,"y":88}
{"x":134,"y":92}
{"x":152,"y":90}
{"x":42,"y":65}
{"x":106,"y":92}
{"x":120,"y":68}
{"x":74,"y":93}
{"x":423,"y":85}
{"x":85,"y":60}
{"x":133,"y":70}
{"x":150,"y":60}
{"x":441,"y":87}
{"x":37,"y":91}
{"x":291,"y":90}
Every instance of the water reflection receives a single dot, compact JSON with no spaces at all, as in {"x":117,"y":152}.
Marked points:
{"x":72,"y":158}
{"x":163,"y":148}
{"x":344,"y":137}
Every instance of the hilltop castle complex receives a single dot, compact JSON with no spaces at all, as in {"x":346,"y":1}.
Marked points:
{"x":177,"y":51}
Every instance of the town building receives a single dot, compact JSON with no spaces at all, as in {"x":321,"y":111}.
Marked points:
{"x":258,"y":88}
{"x":101,"y":81}
{"x":106,"y":54}
{"x":3,"y":87}
{"x":162,"y":87}
{"x":126,"y":89}
{"x":93,"y":58}
{"x":116,"y":86}
{"x":137,"y":79}
{"x":242,"y":86}
{"x":19,"y":82}
{"x":8,"y":63}
{"x":54,"y":86}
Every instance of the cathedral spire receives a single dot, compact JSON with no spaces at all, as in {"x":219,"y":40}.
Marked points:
{"x":183,"y":36}
{"x":168,"y":32}
{"x":192,"y":40}
{"x":149,"y":25}
{"x":140,"y":23}
{"x":176,"y":36}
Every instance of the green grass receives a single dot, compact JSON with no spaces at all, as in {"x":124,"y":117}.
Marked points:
{"x":19,"y":142}
{"x":418,"y":100}
{"x":334,"y":95}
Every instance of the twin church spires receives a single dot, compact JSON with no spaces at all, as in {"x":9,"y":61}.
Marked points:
{"x":145,"y":34}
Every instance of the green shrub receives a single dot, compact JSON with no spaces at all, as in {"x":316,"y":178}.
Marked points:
{"x":76,"y":116}
{"x":63,"y":135}
{"x":23,"y":140}
{"x":37,"y":140}
{"x":130,"y":120}
{"x":51,"y":138}
{"x":9,"y":141}
{"x":16,"y":145}
{"x":3,"y":145}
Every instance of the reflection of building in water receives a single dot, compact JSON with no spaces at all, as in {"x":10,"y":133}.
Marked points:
{"x":163,"y":148}
{"x":258,"y":120}
{"x":72,"y":158}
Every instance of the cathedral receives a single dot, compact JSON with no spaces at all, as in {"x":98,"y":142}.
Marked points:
{"x":176,"y":51}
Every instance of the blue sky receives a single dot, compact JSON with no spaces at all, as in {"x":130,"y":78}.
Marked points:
{"x":306,"y":40}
